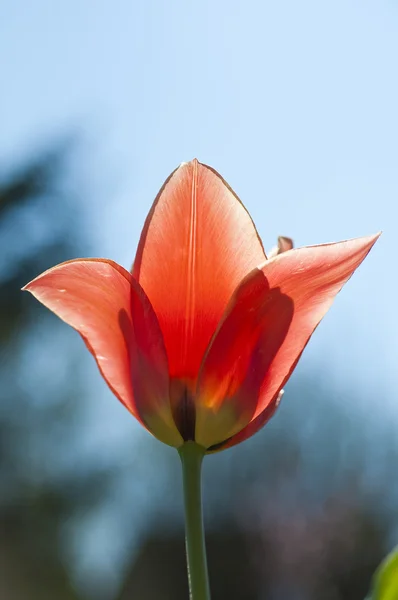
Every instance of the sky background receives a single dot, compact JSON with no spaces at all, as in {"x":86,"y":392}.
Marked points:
{"x":294,"y":103}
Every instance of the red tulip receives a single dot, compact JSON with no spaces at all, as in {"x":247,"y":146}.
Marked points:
{"x":199,"y":340}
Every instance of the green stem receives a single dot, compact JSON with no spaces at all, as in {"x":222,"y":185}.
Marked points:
{"x":191,"y":455}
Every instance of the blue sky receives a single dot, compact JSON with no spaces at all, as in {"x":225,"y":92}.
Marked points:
{"x":295,"y":103}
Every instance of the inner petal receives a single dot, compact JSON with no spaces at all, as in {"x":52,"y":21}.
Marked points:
{"x":197,"y":244}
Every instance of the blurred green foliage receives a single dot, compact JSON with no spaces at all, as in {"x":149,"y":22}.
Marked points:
{"x":385,"y":582}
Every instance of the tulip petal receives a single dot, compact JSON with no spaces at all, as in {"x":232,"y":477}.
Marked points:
{"x":109,"y":309}
{"x":310,"y":277}
{"x":197,"y":244}
{"x":252,"y":428}
{"x":240,"y":354}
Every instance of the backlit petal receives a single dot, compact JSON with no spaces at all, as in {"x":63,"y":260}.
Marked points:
{"x":246,"y":343}
{"x":109,"y":309}
{"x":197,"y":244}
{"x":311,"y":277}
{"x":252,"y":428}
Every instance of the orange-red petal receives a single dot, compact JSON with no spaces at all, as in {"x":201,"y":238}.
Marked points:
{"x":241,"y":352}
{"x":197,"y":244}
{"x":111,"y":312}
{"x":254,"y":425}
{"x":310,"y":278}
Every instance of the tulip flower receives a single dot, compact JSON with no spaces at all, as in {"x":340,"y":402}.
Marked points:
{"x":199,"y":339}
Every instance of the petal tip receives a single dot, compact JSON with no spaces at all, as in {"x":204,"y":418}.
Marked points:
{"x":185,"y":163}
{"x":370,"y":240}
{"x":374,"y":236}
{"x":27,"y":286}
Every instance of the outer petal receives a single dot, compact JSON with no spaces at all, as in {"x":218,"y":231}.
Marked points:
{"x":197,"y":244}
{"x":252,"y":428}
{"x":311,"y":277}
{"x":109,"y":309}
{"x":238,"y":358}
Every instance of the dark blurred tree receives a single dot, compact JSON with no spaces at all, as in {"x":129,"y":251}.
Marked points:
{"x":32,"y":238}
{"x":38,"y":228}
{"x":159,"y":572}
